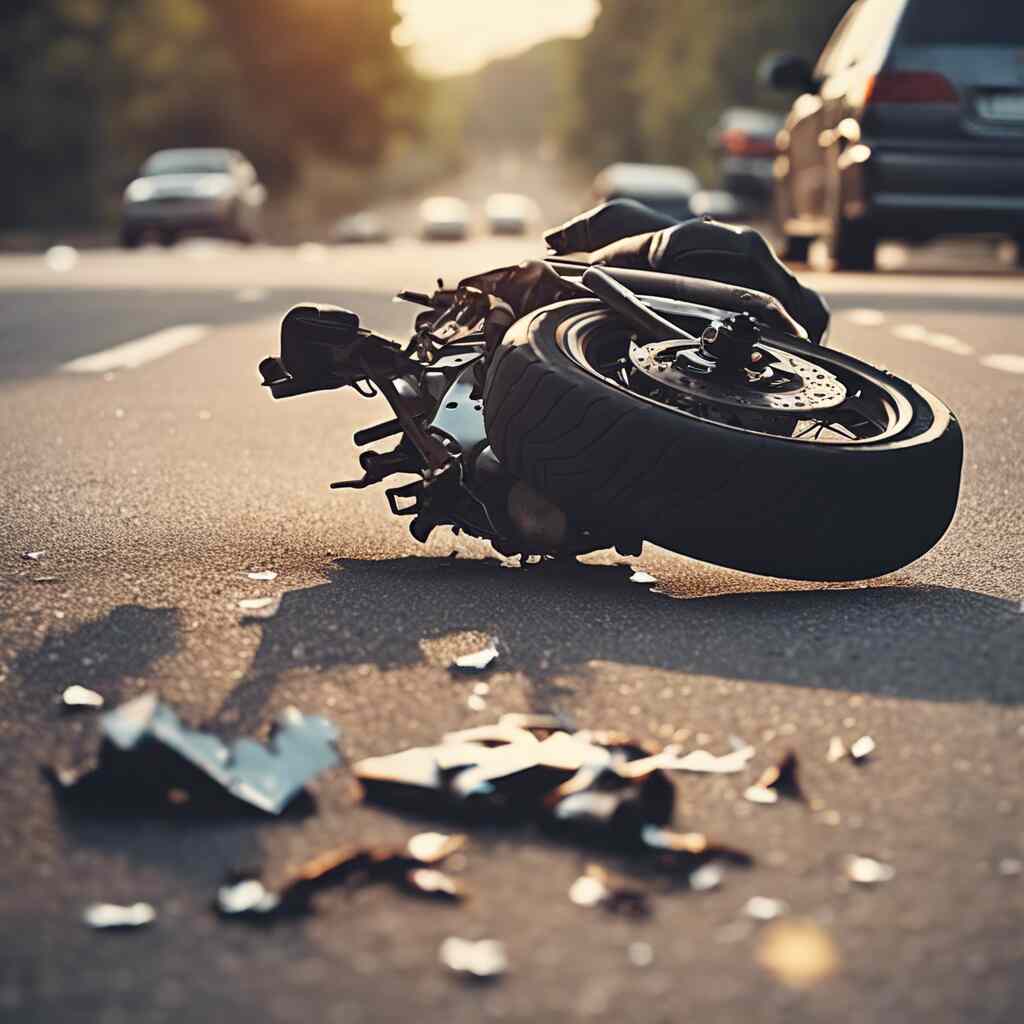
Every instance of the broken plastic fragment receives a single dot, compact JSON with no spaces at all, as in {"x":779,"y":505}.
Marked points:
{"x":265,"y":574}
{"x":246,"y":896}
{"x":478,"y":661}
{"x":764,"y":908}
{"x":867,"y":870}
{"x":483,"y":959}
{"x":33,"y":556}
{"x":146,"y":749}
{"x":862,"y":748}
{"x":80,"y":697}
{"x":260,"y":607}
{"x":779,"y":780}
{"x":431,"y":847}
{"x":799,"y":953}
{"x":836,"y":750}
{"x":112,"y":915}
{"x":431,"y":882}
{"x":641,"y":954}
{"x":703,"y":761}
{"x":597,"y":888}
{"x":706,"y":877}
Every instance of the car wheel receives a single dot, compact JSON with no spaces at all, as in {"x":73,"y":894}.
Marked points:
{"x":168,"y":238}
{"x":1020,"y":250}
{"x":130,"y":239}
{"x":794,"y":249}
{"x":852,"y":245}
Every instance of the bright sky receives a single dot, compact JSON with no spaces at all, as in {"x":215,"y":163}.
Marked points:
{"x":452,"y":36}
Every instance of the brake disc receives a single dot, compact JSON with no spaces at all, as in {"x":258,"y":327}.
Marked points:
{"x":787,"y":384}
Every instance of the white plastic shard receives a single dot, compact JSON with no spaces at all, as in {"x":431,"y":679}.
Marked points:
{"x":764,"y":908}
{"x":642,"y":577}
{"x":264,"y":574}
{"x":836,"y":750}
{"x":112,"y":915}
{"x":706,"y":877}
{"x":704,"y":761}
{"x":477,"y":661}
{"x":862,"y":748}
{"x":76,"y":696}
{"x":260,"y":607}
{"x":483,"y":959}
{"x":247,"y":896}
{"x":867,"y":870}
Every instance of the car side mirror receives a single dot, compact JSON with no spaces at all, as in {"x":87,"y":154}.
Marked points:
{"x":786,"y":72}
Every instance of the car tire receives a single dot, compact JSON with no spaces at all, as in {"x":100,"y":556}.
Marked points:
{"x":168,"y":238}
{"x":619,"y":462}
{"x":1020,"y":250}
{"x":794,"y":248}
{"x":130,"y":239}
{"x":852,"y":245}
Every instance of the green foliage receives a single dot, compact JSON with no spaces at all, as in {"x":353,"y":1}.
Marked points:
{"x":653,"y":76}
{"x":91,"y":86}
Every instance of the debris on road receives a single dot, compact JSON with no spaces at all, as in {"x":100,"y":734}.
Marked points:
{"x":1010,"y":867}
{"x":702,"y":761}
{"x":779,"y":780}
{"x":411,"y":867}
{"x":867,"y":870}
{"x":862,"y":749}
{"x":263,"y":574}
{"x":76,"y":696}
{"x":45,"y":579}
{"x":112,"y":915}
{"x":485,"y":959}
{"x":478,"y":661}
{"x":260,"y":607}
{"x":641,"y":954}
{"x":799,"y":953}
{"x":764,"y":908}
{"x":146,"y":753}
{"x":836,"y":750}
{"x":642,"y":577}
{"x":707,"y":877}
{"x":33,"y":556}
{"x":596,"y":887}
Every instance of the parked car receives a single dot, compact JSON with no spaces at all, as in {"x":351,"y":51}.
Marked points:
{"x":509,"y":213}
{"x":444,"y":218}
{"x":199,"y":191}
{"x":910,"y":125}
{"x":662,"y":187}
{"x":365,"y":226}
{"x":744,"y":139}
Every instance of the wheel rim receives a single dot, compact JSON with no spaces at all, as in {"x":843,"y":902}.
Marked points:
{"x":871,"y":410}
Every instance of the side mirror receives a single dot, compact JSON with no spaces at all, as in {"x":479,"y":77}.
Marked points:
{"x":786,"y":72}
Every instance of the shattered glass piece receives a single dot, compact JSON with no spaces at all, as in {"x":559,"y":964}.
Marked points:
{"x":862,"y":748}
{"x":246,"y":896}
{"x":112,"y":915}
{"x":642,"y":577}
{"x":76,"y":696}
{"x":780,"y":780}
{"x":33,"y":556}
{"x":799,"y":953}
{"x":764,"y":908}
{"x":260,"y":607}
{"x":431,"y":882}
{"x":144,"y":743}
{"x":598,"y":888}
{"x":703,"y":761}
{"x":706,"y":877}
{"x":867,"y":870}
{"x":431,"y":847}
{"x":263,"y":574}
{"x":483,"y":959}
{"x":836,"y":750}
{"x":478,"y":661}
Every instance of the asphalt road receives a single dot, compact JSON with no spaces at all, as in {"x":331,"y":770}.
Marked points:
{"x":154,"y":490}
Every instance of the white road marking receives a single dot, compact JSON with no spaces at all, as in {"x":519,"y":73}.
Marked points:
{"x":944,"y":342}
{"x":251,"y":295}
{"x":1004,"y":361}
{"x":132,"y":354}
{"x":864,"y":317}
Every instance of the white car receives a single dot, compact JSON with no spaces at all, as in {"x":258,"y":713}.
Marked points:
{"x":444,"y":218}
{"x":365,"y":226}
{"x":509,"y":213}
{"x":662,"y":187}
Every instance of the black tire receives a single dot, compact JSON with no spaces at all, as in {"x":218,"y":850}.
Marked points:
{"x":758,"y":502}
{"x":168,"y":237}
{"x":130,"y":239}
{"x":852,"y":245}
{"x":1020,"y":250}
{"x":794,"y":248}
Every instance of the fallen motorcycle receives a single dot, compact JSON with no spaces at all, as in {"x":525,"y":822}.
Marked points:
{"x":645,"y":381}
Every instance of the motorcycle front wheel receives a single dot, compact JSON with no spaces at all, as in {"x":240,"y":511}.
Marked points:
{"x":824,"y":468}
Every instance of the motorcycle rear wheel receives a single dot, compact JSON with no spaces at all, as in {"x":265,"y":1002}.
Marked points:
{"x":708,"y":484}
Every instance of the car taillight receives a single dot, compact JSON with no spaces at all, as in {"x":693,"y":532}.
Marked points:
{"x":910,"y":87}
{"x":739,"y":143}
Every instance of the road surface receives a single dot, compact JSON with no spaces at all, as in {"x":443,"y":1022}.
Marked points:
{"x":156,"y":476}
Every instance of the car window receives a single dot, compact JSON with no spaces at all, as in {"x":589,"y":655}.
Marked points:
{"x":187,"y":161}
{"x":956,"y":22}
{"x":862,"y":30}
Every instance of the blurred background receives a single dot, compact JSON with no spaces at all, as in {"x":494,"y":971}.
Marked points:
{"x":351,"y":105}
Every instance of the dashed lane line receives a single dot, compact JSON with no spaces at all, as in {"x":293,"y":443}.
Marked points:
{"x":130,"y":355}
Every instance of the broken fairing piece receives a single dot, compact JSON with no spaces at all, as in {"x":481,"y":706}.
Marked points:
{"x":779,"y":780}
{"x":246,"y":896}
{"x":144,"y":744}
{"x":867,"y":870}
{"x":79,"y":697}
{"x":112,"y":915}
{"x":483,"y":959}
{"x":478,"y":661}
{"x":862,"y":749}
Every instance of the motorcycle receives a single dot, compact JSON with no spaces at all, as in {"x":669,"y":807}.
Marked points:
{"x":646,"y":380}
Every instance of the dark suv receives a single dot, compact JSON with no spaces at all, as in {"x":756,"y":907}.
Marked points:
{"x":911,"y":125}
